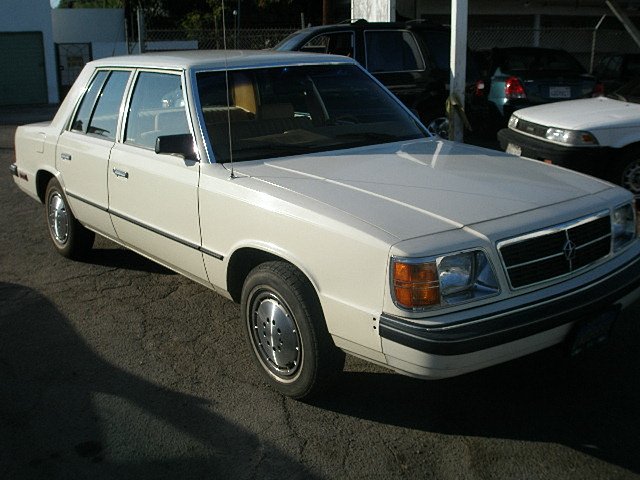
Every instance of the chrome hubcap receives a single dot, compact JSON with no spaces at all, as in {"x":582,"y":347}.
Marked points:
{"x":58,"y":218}
{"x":631,"y":177}
{"x":275,"y":336}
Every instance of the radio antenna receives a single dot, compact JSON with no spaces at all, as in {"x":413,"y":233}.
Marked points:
{"x":226,"y":78}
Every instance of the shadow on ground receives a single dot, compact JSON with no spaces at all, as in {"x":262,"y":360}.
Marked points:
{"x":124,"y":259}
{"x":50,"y":426}
{"x":589,"y":403}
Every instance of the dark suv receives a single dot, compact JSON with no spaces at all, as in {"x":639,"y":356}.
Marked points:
{"x":411,"y":59}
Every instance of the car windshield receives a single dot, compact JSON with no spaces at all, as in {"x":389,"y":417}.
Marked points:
{"x":629,"y":92}
{"x":293,"y":110}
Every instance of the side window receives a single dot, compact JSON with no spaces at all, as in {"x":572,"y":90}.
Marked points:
{"x":157,"y":109}
{"x":339,"y":43}
{"x":392,"y":51}
{"x":105,"y":115}
{"x":81,"y":120}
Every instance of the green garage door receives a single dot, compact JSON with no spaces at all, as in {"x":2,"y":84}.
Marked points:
{"x":23,"y":79}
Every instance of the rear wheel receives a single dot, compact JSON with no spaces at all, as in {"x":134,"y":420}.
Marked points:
{"x":286,"y":331}
{"x":68,"y":236}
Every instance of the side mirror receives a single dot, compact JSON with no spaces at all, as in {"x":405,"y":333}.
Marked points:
{"x":181,"y":144}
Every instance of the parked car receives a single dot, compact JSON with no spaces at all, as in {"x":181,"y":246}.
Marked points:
{"x":298,"y":186}
{"x":520,"y":77}
{"x":599,"y":136}
{"x":409,"y":58}
{"x":614,"y":71}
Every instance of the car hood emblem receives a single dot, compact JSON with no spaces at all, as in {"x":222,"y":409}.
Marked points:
{"x":569,"y":250}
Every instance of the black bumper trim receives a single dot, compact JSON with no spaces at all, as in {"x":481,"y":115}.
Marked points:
{"x":14,"y":169}
{"x":509,"y":325}
{"x":590,"y":160}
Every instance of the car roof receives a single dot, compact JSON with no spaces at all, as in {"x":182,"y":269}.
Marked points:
{"x":216,"y":59}
{"x":364,"y":25}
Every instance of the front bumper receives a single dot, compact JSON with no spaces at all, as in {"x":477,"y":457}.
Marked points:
{"x":479,"y":337}
{"x":595,"y":161}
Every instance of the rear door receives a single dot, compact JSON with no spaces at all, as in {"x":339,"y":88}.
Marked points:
{"x":83,"y":149}
{"x":153,"y":198}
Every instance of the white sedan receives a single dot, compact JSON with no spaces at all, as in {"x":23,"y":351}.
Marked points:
{"x":298,"y":186}
{"x":598,"y":136}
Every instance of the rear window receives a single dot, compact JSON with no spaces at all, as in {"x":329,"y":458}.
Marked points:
{"x":538,"y":61}
{"x":392,"y":51}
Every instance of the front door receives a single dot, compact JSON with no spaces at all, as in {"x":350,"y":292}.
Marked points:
{"x":153,"y":198}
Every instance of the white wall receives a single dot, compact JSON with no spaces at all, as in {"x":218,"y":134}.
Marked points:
{"x":33,"y":16}
{"x":102,"y":27}
{"x":374,"y":10}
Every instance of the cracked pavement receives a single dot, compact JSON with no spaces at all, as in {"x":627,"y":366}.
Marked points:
{"x":116,"y":368}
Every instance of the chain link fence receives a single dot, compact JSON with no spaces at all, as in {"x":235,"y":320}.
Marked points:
{"x":578,"y":41}
{"x":245,"y":39}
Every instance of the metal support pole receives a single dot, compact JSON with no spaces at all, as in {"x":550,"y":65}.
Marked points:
{"x":536,"y":30}
{"x":624,"y":19}
{"x":141,"y":30}
{"x":458,"y":65}
{"x":593,"y":43}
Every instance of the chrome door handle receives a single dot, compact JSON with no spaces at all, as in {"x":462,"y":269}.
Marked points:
{"x":121,"y":173}
{"x":65,"y":156}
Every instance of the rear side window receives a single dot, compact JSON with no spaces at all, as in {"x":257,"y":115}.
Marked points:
{"x":100,"y":106}
{"x":105,"y":116}
{"x":81,"y":121}
{"x":338,"y":43}
{"x":392,"y":51}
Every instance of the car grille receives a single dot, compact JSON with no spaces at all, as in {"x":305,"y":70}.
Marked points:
{"x":556,"y":251}
{"x":531,"y":128}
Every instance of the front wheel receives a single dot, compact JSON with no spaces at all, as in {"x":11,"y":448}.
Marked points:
{"x":286,"y":331}
{"x":627,"y":174}
{"x":68,"y":236}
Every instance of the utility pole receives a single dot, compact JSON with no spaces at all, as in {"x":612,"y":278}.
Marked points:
{"x":326,"y":8}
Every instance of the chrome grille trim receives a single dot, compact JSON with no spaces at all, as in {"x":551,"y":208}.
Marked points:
{"x":563,"y":250}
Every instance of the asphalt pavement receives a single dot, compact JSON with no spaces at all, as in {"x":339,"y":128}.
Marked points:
{"x":116,"y":368}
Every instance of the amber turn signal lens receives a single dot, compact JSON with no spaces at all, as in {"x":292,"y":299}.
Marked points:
{"x":416,"y":284}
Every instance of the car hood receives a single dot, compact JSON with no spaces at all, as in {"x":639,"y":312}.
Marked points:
{"x":421,"y":187}
{"x":586,"y":114}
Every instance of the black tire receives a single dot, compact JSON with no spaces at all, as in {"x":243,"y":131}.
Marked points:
{"x":627,"y":171}
{"x":286,"y":331}
{"x":68,"y":236}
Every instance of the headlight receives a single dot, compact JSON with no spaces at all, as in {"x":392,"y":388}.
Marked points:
{"x":623,"y":226}
{"x":418,"y":284}
{"x":570,"y":137}
{"x":513,"y":121}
